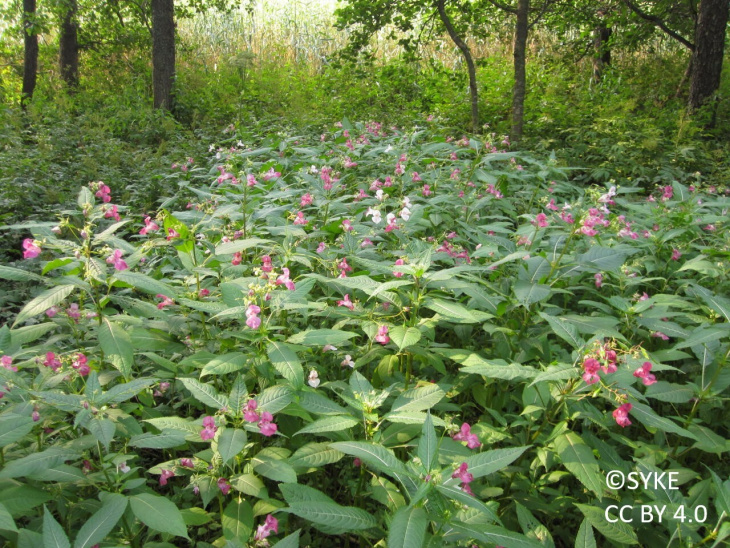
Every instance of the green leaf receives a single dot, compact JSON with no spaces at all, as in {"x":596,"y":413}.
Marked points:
{"x":528,"y":293}
{"x":330,"y":514}
{"x":477,"y":365}
{"x":20,"y":498}
{"x":274,"y":468}
{"x":144,"y":283}
{"x":125,"y":391}
{"x":616,"y":531}
{"x":117,"y":346}
{"x":318,"y":404}
{"x":722,"y":497}
{"x":703,"y":335}
{"x":427,"y":444}
{"x":103,"y":430}
{"x":560,"y":372}
{"x":18,"y":275}
{"x":671,"y":393}
{"x":29,"y":333}
{"x":418,"y":399}
{"x":403,"y":338}
{"x":602,"y":259}
{"x":315,"y":455}
{"x":37,"y":462}
{"x":178,"y":424}
{"x":230,"y":443}
{"x":566,"y":331}
{"x":239,"y":394}
{"x":289,"y":541}
{"x":408,"y":528}
{"x":578,"y":458}
{"x":329,"y":424}
{"x":251,"y":485}
{"x":14,"y":428}
{"x":451,"y":310}
{"x":98,"y":526}
{"x":53,"y":534}
{"x":44,"y":301}
{"x":492,"y":461}
{"x":205,"y":393}
{"x":721,"y":305}
{"x":585,"y":538}
{"x":7,"y":523}
{"x":229,"y":248}
{"x":293,"y":493}
{"x":274,"y":399}
{"x":286,"y":362}
{"x":321,"y":337}
{"x":492,"y":534}
{"x":648,"y":417}
{"x":374,"y":455}
{"x":158,"y":513}
{"x":227,"y":363}
{"x":237,"y":521}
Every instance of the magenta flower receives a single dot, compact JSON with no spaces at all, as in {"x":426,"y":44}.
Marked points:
{"x":347,"y":225}
{"x":676,"y":254}
{"x":112,"y":213}
{"x":164,"y":475}
{"x":590,"y":368}
{"x":166,"y":301}
{"x":7,"y":363}
{"x":237,"y":258}
{"x":266,"y":265}
{"x":51,"y":312}
{"x":264,"y":530}
{"x":366,"y":242}
{"x":172,"y":234}
{"x":462,"y":472}
{"x":321,"y":247}
{"x":284,"y":279}
{"x":643,"y":373}
{"x":187,"y":463}
{"x":209,"y":428}
{"x":415,"y":177}
{"x":52,"y":361}
{"x":599,"y":279}
{"x":622,"y":415}
{"x":397,"y":274}
{"x":31,"y":249}
{"x":346,"y":302}
{"x":472,"y":440}
{"x":271,"y":174}
{"x":541,"y":220}
{"x":667,"y":193}
{"x":306,"y":200}
{"x":224,"y":486}
{"x":116,"y":259}
{"x":266,"y":425}
{"x":249,"y":412}
{"x":252,"y":318}
{"x":349,"y":163}
{"x":149,"y":226}
{"x":426,"y":190}
{"x":251,"y":180}
{"x":81,"y":364}
{"x":660,"y":335}
{"x":382,"y":336}
{"x":103,"y":192}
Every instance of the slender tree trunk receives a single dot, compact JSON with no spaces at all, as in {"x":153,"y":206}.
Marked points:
{"x":466,"y":52}
{"x":708,"y":53}
{"x":601,"y":50}
{"x":30,"y":62}
{"x":68,"y":55}
{"x":163,"y":53}
{"x":520,"y":56}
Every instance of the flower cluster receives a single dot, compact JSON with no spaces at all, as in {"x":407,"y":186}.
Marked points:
{"x":264,"y":420}
{"x":472,"y":440}
{"x":252,"y":316}
{"x":270,"y":525}
{"x":462,"y":472}
{"x":209,"y":428}
{"x":643,"y":373}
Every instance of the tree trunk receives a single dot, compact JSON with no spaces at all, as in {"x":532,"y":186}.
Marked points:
{"x":708,"y":53}
{"x":163,"y":53}
{"x":68,"y":55}
{"x":469,"y":64}
{"x":30,"y":62}
{"x":601,"y":50}
{"x":520,"y":55}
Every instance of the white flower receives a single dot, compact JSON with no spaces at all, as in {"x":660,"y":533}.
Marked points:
{"x":313,"y":379}
{"x":211,"y":148}
{"x":379,"y":194}
{"x":405,"y":214}
{"x":348,"y":361}
{"x":390,"y":218}
{"x":406,"y":202}
{"x":123,"y":468}
{"x":328,"y":347}
{"x":313,"y":170}
{"x":377,"y":218}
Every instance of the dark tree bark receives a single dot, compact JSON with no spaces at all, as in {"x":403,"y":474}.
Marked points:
{"x":68,"y":56}
{"x":30,"y":62}
{"x":471,"y":68}
{"x":707,"y":56}
{"x":520,"y":57}
{"x":601,"y":49}
{"x":163,"y":53}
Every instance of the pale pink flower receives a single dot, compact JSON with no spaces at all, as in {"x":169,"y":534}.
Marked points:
{"x":249,"y":412}
{"x":426,"y":190}
{"x":187,"y":463}
{"x":397,"y":274}
{"x":382,"y":335}
{"x":271,"y":525}
{"x":313,"y":379}
{"x":32,"y":250}
{"x":321,"y":247}
{"x":347,"y":362}
{"x":112,"y":213}
{"x":300,"y":220}
{"x":660,"y":335}
{"x":73,"y":311}
{"x":346,"y":302}
{"x":284,"y":279}
{"x":166,"y":301}
{"x":7,"y":363}
{"x":676,"y":254}
{"x":251,"y":180}
{"x":149,"y":226}
{"x":599,"y":279}
{"x":116,"y":259}
{"x":271,"y":174}
{"x":347,"y":225}
{"x":209,"y":428}
{"x":266,"y":425}
{"x":306,"y":200}
{"x":165,"y":475}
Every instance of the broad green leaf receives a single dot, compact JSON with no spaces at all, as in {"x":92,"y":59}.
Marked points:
{"x":668,"y":392}
{"x":125,"y":391}
{"x":166,"y":440}
{"x":648,"y":417}
{"x":117,"y":346}
{"x":722,"y":494}
{"x":44,"y":301}
{"x":318,"y":404}
{"x":721,"y":305}
{"x":7,"y":523}
{"x":585,"y":538}
{"x":477,"y":365}
{"x":374,"y":455}
{"x":145,"y":283}
{"x":98,"y":526}
{"x":528,"y":293}
{"x":315,"y":455}
{"x":29,"y":333}
{"x":561,"y":372}
{"x":418,"y":399}
{"x":37,"y":462}
{"x":345,"y":518}
{"x":404,"y":337}
{"x":158,"y":513}
{"x":274,"y":398}
{"x":53,"y":534}
{"x":294,"y":492}
{"x":491,"y":461}
{"x":492,"y":534}
{"x":251,"y":485}
{"x":20,"y":498}
{"x":532,"y":527}
{"x":286,"y":362}
{"x":237,"y":521}
{"x":273,"y":468}
{"x":566,"y":331}
{"x":321,"y":337}
{"x":175,"y":423}
{"x":205,"y":393}
{"x":14,"y":428}
{"x":230,"y":443}
{"x":451,"y":310}
{"x":18,"y":275}
{"x":427,"y":444}
{"x":408,"y":528}
{"x":617,"y":531}
{"x":227,"y":363}
{"x":329,"y":424}
{"x":61,"y":473}
{"x":229,"y":248}
{"x":239,"y":394}
{"x":703,"y":335}
{"x":578,"y":458}
{"x":454,"y":492}
{"x":602,"y":259}
{"x":103,"y":430}
{"x":195,"y":516}
{"x":289,"y":541}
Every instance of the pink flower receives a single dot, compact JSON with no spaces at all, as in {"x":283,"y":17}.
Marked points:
{"x":398,"y":262}
{"x":426,"y":190}
{"x":300,"y":220}
{"x":284,"y":279}
{"x":599,"y":279}
{"x":271,"y":174}
{"x":252,"y":318}
{"x":343,"y":266}
{"x":203,"y":293}
{"x":590,"y":368}
{"x":266,"y":425}
{"x":103,"y":192}
{"x":415,"y":177}
{"x":349,"y":163}
{"x":676,"y":254}
{"x":667,"y":193}
{"x":271,"y":525}
{"x":224,"y":486}
{"x":313,"y":379}
{"x":166,"y":301}
{"x":164,"y":475}
{"x":622,"y":415}
{"x":172,"y":234}
{"x":660,"y":335}
{"x":710,"y":228}
{"x":251,"y":180}
{"x":347,"y":225}
{"x":31,"y":249}
{"x":81,"y":364}
{"x":541,"y":220}
{"x":382,"y":336}
{"x":346,"y":302}
{"x":472,"y":440}
{"x":643,"y":373}
{"x":187,"y":463}
{"x":112,"y":213}
{"x":306,"y":200}
{"x":209,"y":428}
{"x":149,"y":226}
{"x":249,"y":412}
{"x":51,"y":312}
{"x":366,"y":242}
{"x":321,"y":247}
{"x":237,"y":258}
{"x":347,"y":362}
{"x":462,"y":472}
{"x":266,"y":265}
{"x":52,"y":361}
{"x":116,"y":259}
{"x":7,"y":363}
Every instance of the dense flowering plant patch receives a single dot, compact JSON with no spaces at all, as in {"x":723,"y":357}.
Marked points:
{"x":395,"y":338}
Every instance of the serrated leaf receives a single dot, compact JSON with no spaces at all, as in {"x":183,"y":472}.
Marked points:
{"x":14,"y":428}
{"x":165,"y":440}
{"x":125,"y":391}
{"x":528,"y":293}
{"x":321,"y":337}
{"x":274,"y":399}
{"x":721,"y":305}
{"x":239,"y":394}
{"x":205,"y":393}
{"x":616,"y":531}
{"x":289,"y":541}
{"x":145,"y":283}
{"x":98,"y":526}
{"x":566,"y":331}
{"x":20,"y":498}
{"x":227,"y":363}
{"x":492,"y":534}
{"x":585,"y":538}
{"x":668,"y":392}
{"x":273,"y":468}
{"x":18,"y":275}
{"x":320,"y":405}
{"x":286,"y":362}
{"x":294,"y":493}
{"x":374,"y":455}
{"x":418,"y":399}
{"x":315,"y":455}
{"x":251,"y":485}
{"x":53,"y":534}
{"x":229,"y":248}
{"x":175,"y":423}
{"x":451,"y":310}
{"x":44,"y":301}
{"x":344,"y":518}
{"x":403,"y":338}
{"x":578,"y":458}
{"x":37,"y":462}
{"x":158,"y":513}
{"x":237,"y":521}
{"x":492,"y":461}
{"x":427,"y":444}
{"x":230,"y":443}
{"x":408,"y":528}
{"x":329,"y":424}
{"x":648,"y":417}
{"x":561,"y":372}
{"x":103,"y":430}
{"x":117,"y":346}
{"x":602,"y":259}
